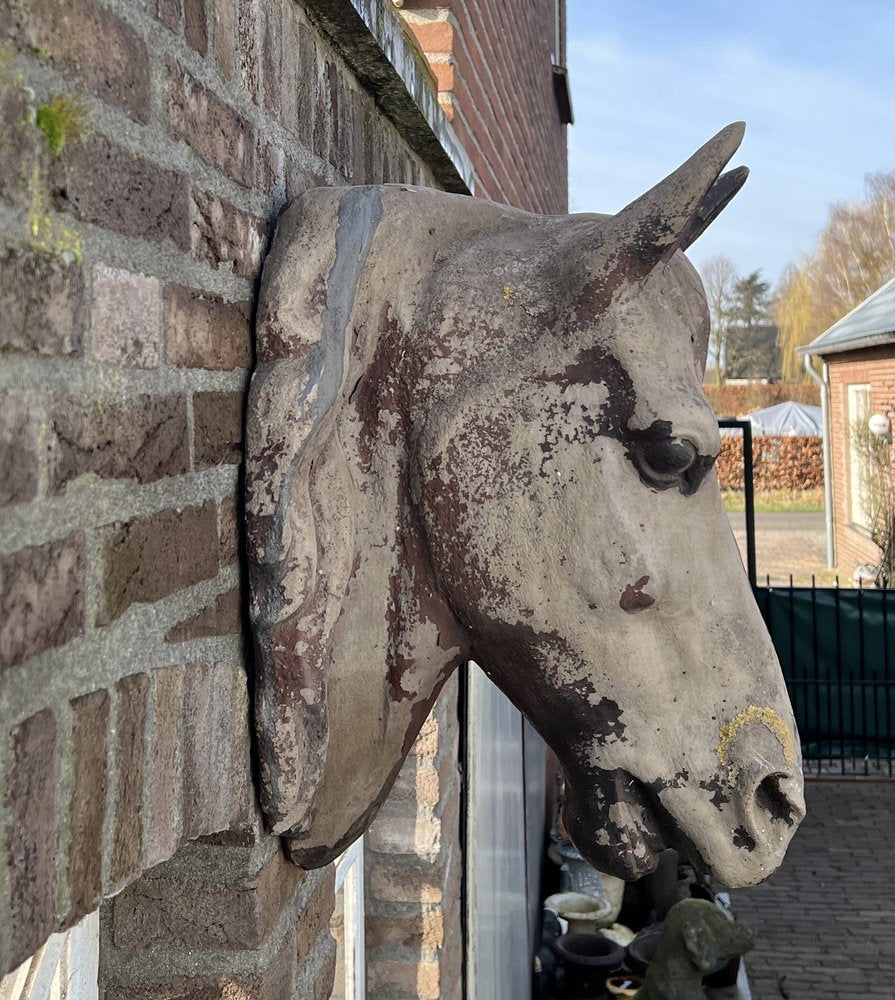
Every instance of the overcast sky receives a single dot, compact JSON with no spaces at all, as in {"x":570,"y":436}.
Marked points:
{"x":814,"y":81}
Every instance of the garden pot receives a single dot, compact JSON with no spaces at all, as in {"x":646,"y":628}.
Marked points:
{"x":640,"y":952}
{"x":588,"y":960}
{"x":585,"y":914}
{"x":577,"y":875}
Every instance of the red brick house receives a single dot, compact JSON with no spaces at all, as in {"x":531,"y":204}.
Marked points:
{"x":148,"y":148}
{"x":858,"y":355}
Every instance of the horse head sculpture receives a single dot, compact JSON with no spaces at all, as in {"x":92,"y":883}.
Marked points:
{"x":478,"y":433}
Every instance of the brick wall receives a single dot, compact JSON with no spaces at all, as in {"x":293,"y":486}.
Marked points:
{"x":147,"y":148}
{"x":874,"y":367}
{"x":493,"y":65}
{"x":128,"y":271}
{"x":414,"y":868}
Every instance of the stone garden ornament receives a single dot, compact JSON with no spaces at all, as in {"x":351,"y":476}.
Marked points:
{"x":479,"y":434}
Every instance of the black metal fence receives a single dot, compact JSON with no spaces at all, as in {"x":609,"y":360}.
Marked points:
{"x":836,"y":647}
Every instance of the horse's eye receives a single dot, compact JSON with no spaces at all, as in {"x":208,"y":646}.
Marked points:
{"x":669,"y":458}
{"x":666,"y":462}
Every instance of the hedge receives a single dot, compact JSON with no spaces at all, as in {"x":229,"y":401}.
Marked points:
{"x":779,"y":463}
{"x":732,"y":400}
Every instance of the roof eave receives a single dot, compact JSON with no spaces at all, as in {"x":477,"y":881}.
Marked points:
{"x":871,"y":340}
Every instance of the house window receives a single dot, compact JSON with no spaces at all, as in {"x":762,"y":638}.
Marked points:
{"x":858,"y":413}
{"x":347,"y":925}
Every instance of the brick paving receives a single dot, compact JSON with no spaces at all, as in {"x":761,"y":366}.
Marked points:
{"x":826,"y":919}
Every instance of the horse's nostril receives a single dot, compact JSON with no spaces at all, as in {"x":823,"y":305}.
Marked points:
{"x":772,"y":797}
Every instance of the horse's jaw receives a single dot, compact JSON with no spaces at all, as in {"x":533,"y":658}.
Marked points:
{"x":731,"y":810}
{"x":345,"y":731}
{"x":626,"y":838}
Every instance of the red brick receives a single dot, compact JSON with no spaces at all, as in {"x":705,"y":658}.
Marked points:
{"x":31,"y":838}
{"x":248,"y":48}
{"x":273,"y":982}
{"x":18,"y":449}
{"x":217,"y":428}
{"x":224,"y":617}
{"x":316,"y":915}
{"x":434,"y":36}
{"x":41,"y":598}
{"x":24,"y":148}
{"x":163,"y":827}
{"x":107,"y":186}
{"x":195,"y":25}
{"x":148,"y":558}
{"x":42,"y":303}
{"x":238,"y":915}
{"x":271,"y":32}
{"x":419,"y":980}
{"x":444,"y":75}
{"x":130,"y":732}
{"x":209,"y":735}
{"x":307,"y":84}
{"x":323,"y":984}
{"x":125,"y":317}
{"x":215,"y":131}
{"x":393,"y":883}
{"x":222,"y":234}
{"x":224,"y":15}
{"x":410,"y":835}
{"x":421,"y":930}
{"x":231,"y":532}
{"x":358,"y":129}
{"x":204,"y":331}
{"x":144,"y":439}
{"x":270,"y":168}
{"x":90,"y":723}
{"x":170,"y":13}
{"x":288,"y":70}
{"x":93,"y":47}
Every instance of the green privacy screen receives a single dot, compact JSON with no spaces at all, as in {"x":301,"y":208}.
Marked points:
{"x":836,"y":648}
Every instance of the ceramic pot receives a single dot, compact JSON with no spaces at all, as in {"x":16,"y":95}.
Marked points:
{"x":641,"y":950}
{"x":588,"y":960}
{"x":585,"y":914}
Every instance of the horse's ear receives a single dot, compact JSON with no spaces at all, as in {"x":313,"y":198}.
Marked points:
{"x":675,"y":212}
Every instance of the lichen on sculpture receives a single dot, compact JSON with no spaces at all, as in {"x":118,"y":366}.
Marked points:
{"x":479,"y":433}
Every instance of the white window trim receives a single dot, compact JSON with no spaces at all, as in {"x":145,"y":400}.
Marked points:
{"x":859,"y":513}
{"x":66,"y":967}
{"x":350,"y":878}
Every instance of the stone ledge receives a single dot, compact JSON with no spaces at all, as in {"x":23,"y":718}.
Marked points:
{"x":372,"y":41}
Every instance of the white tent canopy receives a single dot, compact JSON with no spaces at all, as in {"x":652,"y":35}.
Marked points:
{"x":787,"y":419}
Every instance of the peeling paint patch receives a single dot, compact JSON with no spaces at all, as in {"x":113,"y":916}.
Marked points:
{"x":633,"y":598}
{"x":743,"y":839}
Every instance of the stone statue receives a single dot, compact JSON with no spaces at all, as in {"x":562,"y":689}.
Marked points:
{"x":696,"y":937}
{"x":478,"y":433}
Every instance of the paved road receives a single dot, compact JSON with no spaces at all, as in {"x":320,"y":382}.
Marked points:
{"x":785,"y":543}
{"x":826,"y":919}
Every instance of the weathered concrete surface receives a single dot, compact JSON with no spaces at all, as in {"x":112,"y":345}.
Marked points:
{"x":479,"y":433}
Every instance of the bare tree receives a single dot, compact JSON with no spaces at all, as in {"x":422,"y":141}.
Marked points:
{"x":719,"y":276}
{"x":854,"y":256}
